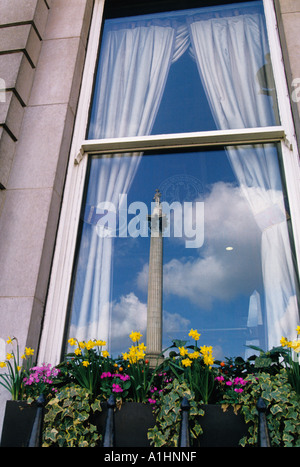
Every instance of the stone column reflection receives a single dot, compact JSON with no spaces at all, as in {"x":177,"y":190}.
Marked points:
{"x":155,"y":283}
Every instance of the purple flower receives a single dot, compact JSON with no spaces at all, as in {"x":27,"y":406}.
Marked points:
{"x":106,"y":374}
{"x":123,"y":377}
{"x":116,"y":388}
{"x":240,"y":381}
{"x":41,"y":374}
{"x":219,"y":378}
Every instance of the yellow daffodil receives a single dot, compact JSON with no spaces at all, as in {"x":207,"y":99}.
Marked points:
{"x":9,"y":340}
{"x":100,"y":343}
{"x":105,"y":353}
{"x":194,"y":355}
{"x":132,"y":350}
{"x":208,"y":360}
{"x":2,"y":364}
{"x":295,"y":345}
{"x":85,"y":363}
{"x":194,"y":334}
{"x":90,"y":345}
{"x":132,"y":354}
{"x":140,"y":354}
{"x":283,"y":341}
{"x":72,"y":341}
{"x":186,"y":362}
{"x":298,"y":329}
{"x":206,"y":349}
{"x":29,"y":351}
{"x":183,"y":351}
{"x":142,"y":346}
{"x":135,"y":336}
{"x":9,"y":356}
{"x":77,"y":351}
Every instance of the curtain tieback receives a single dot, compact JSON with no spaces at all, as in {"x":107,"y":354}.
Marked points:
{"x":272,"y":215}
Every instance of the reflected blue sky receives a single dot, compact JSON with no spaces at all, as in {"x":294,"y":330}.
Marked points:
{"x":206,"y":288}
{"x":215,"y":290}
{"x":191,"y":111}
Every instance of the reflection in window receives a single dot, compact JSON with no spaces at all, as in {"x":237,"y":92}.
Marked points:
{"x":237,"y":287}
{"x":183,"y":71}
{"x":186,"y":71}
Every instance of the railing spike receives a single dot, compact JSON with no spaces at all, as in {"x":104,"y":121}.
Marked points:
{"x":109,"y":434}
{"x":263,"y":432}
{"x":36,"y":436}
{"x":184,"y":437}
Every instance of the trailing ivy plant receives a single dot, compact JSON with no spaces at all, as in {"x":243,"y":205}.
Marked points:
{"x":168,"y":415}
{"x":283,"y":414}
{"x":67,"y":419}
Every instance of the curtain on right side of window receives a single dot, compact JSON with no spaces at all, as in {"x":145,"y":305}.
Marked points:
{"x":232,"y":54}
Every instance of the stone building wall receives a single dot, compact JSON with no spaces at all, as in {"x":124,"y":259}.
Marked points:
{"x":288,"y":19}
{"x":42,"y":52}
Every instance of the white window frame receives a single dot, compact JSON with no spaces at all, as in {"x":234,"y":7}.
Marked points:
{"x":62,"y":268}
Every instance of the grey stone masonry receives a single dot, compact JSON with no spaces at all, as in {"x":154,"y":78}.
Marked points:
{"x":42,"y":52}
{"x":22,"y":26}
{"x":288,"y":19}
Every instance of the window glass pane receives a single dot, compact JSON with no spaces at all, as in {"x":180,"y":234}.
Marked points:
{"x":192,"y":70}
{"x":227,"y":263}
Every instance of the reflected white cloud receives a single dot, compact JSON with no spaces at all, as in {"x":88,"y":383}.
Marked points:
{"x":130,"y":314}
{"x":174,"y":323}
{"x":215,"y":273}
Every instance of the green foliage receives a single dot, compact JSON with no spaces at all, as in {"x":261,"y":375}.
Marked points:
{"x":67,"y":419}
{"x":194,"y":366}
{"x":88,"y":376}
{"x":268,"y":362}
{"x":283,"y":415}
{"x":85,"y":365}
{"x":168,"y":415}
{"x":13,"y":381}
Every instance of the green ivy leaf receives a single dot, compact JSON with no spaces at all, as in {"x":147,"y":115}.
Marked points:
{"x":51,"y":435}
{"x":262,"y":362}
{"x":96,"y":406}
{"x":275,"y":409}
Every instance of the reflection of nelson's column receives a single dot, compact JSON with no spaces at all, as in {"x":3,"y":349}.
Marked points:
{"x":155,"y":283}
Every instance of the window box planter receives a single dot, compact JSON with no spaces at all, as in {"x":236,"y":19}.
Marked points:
{"x":131,"y":424}
{"x":18,"y":422}
{"x":133,"y":420}
{"x":221,"y":429}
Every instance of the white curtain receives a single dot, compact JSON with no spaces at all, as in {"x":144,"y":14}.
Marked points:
{"x":229,"y":52}
{"x":134,"y":65}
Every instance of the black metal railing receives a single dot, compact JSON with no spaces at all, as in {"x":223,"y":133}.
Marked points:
{"x":36,"y":436}
{"x":109,"y":432}
{"x":184,"y":436}
{"x":263,"y":431}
